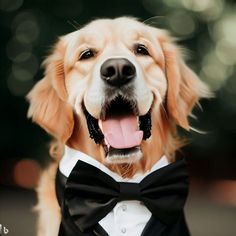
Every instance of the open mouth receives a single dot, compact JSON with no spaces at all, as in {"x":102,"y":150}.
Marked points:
{"x":120,"y":130}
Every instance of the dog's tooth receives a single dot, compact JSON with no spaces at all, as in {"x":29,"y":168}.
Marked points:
{"x":100,"y":125}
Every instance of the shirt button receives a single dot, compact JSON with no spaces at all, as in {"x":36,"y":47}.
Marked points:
{"x":124,"y":207}
{"x":123,"y":230}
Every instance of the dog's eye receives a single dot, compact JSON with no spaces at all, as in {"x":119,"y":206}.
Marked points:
{"x":88,"y":53}
{"x":141,"y":50}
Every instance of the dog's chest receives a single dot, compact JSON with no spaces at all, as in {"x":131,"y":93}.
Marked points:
{"x":126,"y":218}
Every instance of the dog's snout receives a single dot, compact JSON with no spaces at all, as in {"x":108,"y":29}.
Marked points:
{"x":117,"y":71}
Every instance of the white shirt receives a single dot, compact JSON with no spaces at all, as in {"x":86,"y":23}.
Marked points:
{"x":127,"y":217}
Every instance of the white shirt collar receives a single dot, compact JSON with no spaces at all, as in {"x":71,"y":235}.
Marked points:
{"x":71,"y":156}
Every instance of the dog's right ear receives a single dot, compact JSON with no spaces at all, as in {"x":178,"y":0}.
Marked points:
{"x":184,"y":87}
{"x":48,"y":98}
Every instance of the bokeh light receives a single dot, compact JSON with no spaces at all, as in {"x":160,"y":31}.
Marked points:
{"x":213,"y":71}
{"x":10,"y":5}
{"x":180,"y":18}
{"x":27,"y":31}
{"x":18,"y":51}
{"x":207,"y":9}
{"x":26,"y":173}
{"x":19,"y":87}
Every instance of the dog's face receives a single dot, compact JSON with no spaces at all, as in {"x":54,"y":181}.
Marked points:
{"x":121,"y":77}
{"x":116,"y":72}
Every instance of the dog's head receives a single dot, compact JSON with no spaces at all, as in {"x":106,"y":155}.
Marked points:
{"x":127,"y":81}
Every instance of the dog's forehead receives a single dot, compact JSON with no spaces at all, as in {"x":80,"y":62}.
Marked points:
{"x":104,"y":32}
{"x":115,"y":24}
{"x":110,"y":28}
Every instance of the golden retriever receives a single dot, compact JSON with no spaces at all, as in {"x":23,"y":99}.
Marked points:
{"x":111,"y":71}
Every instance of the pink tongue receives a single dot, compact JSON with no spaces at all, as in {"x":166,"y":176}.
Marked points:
{"x":122,"y":132}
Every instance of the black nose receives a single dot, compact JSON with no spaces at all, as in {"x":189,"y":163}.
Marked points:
{"x":117,"y":71}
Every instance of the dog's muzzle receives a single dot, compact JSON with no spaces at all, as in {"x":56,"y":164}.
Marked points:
{"x":120,"y":128}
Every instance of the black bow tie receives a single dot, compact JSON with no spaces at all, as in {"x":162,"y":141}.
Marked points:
{"x":91,"y":194}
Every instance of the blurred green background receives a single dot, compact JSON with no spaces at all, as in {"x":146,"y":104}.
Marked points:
{"x":207,"y":28}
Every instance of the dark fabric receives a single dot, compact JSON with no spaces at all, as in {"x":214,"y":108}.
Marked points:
{"x":90,"y":194}
{"x":155,"y":228}
{"x":67,"y":227}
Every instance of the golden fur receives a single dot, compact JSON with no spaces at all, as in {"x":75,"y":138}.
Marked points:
{"x":54,"y":100}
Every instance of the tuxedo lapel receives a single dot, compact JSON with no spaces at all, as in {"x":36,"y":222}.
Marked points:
{"x":155,"y":228}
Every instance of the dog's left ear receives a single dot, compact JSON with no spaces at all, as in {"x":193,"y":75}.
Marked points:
{"x":184,"y":87}
{"x":48,"y":98}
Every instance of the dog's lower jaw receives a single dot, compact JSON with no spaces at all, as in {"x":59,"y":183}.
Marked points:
{"x":122,"y":156}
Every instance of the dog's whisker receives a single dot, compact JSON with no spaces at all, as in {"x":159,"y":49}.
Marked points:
{"x":199,"y":106}
{"x":164,"y":111}
{"x":193,"y":116}
{"x":198,"y":130}
{"x":154,"y":21}
{"x":75,"y":24}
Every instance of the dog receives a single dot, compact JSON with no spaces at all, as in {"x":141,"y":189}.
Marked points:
{"x":115,"y":91}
